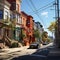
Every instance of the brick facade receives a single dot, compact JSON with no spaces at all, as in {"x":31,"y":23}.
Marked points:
{"x":28,"y":24}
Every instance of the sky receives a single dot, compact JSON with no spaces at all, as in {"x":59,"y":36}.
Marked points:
{"x":41,"y":10}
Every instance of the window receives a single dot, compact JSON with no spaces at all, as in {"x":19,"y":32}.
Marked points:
{"x":6,"y":15}
{"x":28,"y":30}
{"x":11,"y":16}
{"x":17,"y":7}
{"x":18,"y":18}
{"x":1,"y":14}
{"x":21,"y":20}
{"x":13,"y":6}
{"x":28,"y":22}
{"x":14,"y":16}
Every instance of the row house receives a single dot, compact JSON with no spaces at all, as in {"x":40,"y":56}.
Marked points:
{"x":28,"y":24}
{"x":23,"y":30}
{"x":4,"y":20}
{"x":10,"y":16}
{"x":4,"y":14}
{"x":15,"y":16}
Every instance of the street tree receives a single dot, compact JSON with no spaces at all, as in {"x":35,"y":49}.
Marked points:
{"x":52,"y":26}
{"x":45,"y":37}
{"x":37,"y":35}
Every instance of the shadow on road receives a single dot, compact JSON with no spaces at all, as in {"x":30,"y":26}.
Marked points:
{"x":43,"y":52}
{"x":38,"y":55}
{"x":29,"y":57}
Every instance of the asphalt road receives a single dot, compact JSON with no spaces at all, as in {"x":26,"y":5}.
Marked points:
{"x":26,"y":54}
{"x":39,"y":55}
{"x":30,"y":57}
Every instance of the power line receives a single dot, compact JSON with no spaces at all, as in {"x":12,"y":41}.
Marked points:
{"x":36,"y":12}
{"x":30,"y":6}
{"x":33,"y":10}
{"x":44,"y":7}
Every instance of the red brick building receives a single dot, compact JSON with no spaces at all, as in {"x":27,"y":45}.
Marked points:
{"x":28,"y":24}
{"x":30,"y":30}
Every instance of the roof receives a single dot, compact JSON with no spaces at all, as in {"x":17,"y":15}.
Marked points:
{"x":39,"y":24}
{"x":22,"y":12}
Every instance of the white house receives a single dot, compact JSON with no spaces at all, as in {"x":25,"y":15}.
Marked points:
{"x":4,"y":13}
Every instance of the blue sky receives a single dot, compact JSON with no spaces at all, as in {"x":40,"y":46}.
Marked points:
{"x":45,"y":15}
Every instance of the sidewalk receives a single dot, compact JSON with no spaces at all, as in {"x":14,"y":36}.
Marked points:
{"x":45,"y":46}
{"x":11,"y":50}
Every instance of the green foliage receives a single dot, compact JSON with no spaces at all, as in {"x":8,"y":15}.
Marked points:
{"x":14,"y":45}
{"x":37,"y":33}
{"x":8,"y":23}
{"x":23,"y":34}
{"x":48,"y":40}
{"x":52,"y":26}
{"x":44,"y":36}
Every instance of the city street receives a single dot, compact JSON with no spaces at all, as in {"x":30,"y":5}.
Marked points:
{"x":24,"y":52}
{"x":29,"y":30}
{"x":42,"y":54}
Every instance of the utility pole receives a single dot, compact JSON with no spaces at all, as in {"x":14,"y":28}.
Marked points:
{"x":57,"y":29}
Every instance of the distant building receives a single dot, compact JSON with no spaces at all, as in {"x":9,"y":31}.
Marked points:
{"x":39,"y":26}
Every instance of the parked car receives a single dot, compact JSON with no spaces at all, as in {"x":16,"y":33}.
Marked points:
{"x":34,"y":46}
{"x":44,"y":43}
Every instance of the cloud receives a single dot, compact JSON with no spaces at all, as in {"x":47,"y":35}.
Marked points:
{"x":44,"y":14}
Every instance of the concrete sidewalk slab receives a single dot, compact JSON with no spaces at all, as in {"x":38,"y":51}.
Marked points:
{"x":11,"y":50}
{"x":45,"y":46}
